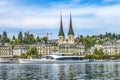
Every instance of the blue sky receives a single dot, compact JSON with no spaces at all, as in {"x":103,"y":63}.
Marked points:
{"x":89,"y":17}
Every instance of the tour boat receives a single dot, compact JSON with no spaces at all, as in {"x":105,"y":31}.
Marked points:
{"x":51,"y":59}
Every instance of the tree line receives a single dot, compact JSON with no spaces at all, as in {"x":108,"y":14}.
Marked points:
{"x":89,"y":41}
{"x":99,"y":54}
{"x":28,"y":38}
{"x":21,"y":39}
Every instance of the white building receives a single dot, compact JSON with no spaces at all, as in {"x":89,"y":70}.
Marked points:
{"x":110,"y":47}
{"x":19,"y":49}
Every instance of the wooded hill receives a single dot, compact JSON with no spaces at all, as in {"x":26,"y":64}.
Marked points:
{"x":29,"y":38}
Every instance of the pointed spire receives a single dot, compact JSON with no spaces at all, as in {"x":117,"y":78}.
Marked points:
{"x":70,"y":27}
{"x":61,"y":33}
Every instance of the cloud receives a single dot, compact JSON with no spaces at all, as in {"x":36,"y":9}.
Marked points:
{"x":111,"y":1}
{"x":84,"y":17}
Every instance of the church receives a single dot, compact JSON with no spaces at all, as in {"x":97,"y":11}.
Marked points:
{"x":68,"y":46}
{"x":61,"y":45}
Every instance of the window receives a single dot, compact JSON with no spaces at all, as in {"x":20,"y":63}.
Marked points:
{"x":115,"y":51}
{"x":106,"y":51}
{"x":69,"y":37}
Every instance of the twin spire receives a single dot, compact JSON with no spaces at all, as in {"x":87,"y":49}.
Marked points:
{"x":70,"y":27}
{"x":61,"y":32}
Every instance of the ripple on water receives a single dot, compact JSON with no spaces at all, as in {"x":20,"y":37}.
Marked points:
{"x":79,"y":71}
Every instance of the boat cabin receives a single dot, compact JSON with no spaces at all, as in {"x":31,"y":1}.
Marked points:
{"x":57,"y":57}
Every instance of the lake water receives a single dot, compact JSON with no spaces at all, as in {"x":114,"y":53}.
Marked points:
{"x":76,"y":71}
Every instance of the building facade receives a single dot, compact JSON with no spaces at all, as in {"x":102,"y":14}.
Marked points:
{"x":71,"y":49}
{"x":112,"y":47}
{"x":19,"y":49}
{"x":45,"y":48}
{"x":6,"y":51}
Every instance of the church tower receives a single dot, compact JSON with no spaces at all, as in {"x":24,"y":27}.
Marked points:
{"x":70,"y":33}
{"x":61,"y":32}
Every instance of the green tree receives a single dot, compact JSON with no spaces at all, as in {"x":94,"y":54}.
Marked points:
{"x":113,"y":36}
{"x":32,"y":52}
{"x":45,"y":39}
{"x":26,"y":37}
{"x":81,"y":36}
{"x":0,"y":38}
{"x":101,"y":36}
{"x":5,"y":39}
{"x":117,"y":37}
{"x":101,"y":52}
{"x":96,"y":52}
{"x":13,"y":41}
{"x":24,"y":55}
{"x":13,"y":38}
{"x":16,"y":56}
{"x":38,"y":39}
{"x":4,"y":34}
{"x":31,"y":39}
{"x":20,"y":37}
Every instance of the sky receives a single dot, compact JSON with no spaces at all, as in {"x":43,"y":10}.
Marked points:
{"x":89,"y":17}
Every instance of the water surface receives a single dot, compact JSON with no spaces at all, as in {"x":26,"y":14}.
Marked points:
{"x":74,"y":71}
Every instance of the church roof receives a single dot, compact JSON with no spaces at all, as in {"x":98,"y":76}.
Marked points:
{"x":70,"y":27}
{"x":61,"y":33}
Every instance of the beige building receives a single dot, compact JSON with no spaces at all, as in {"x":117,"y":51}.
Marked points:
{"x":45,"y":48}
{"x":6,"y":50}
{"x":19,"y":49}
{"x":71,"y":49}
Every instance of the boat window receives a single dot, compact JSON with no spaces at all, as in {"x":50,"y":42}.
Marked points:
{"x":70,"y":58}
{"x":49,"y":57}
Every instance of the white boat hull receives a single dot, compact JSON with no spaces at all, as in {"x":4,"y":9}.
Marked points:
{"x":40,"y":61}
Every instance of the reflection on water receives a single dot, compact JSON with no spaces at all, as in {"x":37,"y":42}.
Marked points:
{"x":79,"y":71}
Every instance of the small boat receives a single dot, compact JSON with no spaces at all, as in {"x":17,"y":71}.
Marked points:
{"x":2,"y":60}
{"x":7,"y":60}
{"x":54,"y":58}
